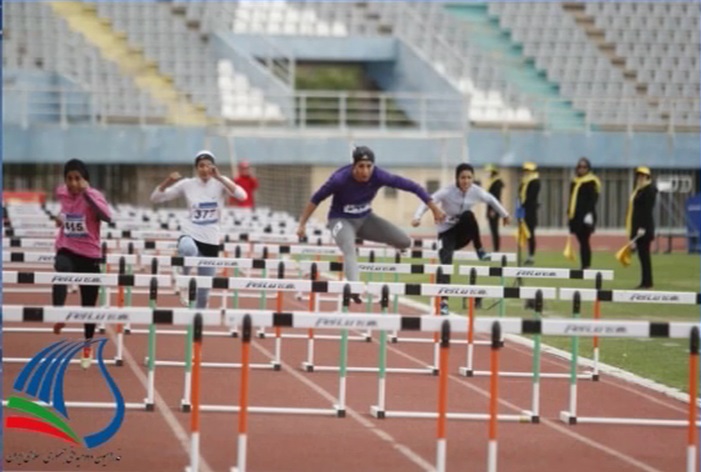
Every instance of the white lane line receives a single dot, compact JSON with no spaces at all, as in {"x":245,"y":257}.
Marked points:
{"x":161,"y":405}
{"x":401,"y":448}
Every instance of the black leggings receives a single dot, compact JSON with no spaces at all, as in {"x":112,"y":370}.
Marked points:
{"x":643,"y":246}
{"x":583,"y":236}
{"x":459,"y":236}
{"x":531,"y":224}
{"x":67,"y":261}
{"x":494,"y":228}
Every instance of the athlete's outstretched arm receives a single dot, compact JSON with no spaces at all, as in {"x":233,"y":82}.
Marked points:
{"x":306,"y":213}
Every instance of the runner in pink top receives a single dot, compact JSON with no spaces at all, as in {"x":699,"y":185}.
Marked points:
{"x":78,"y":242}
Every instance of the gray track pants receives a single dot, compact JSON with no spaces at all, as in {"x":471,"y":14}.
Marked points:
{"x":371,"y":228}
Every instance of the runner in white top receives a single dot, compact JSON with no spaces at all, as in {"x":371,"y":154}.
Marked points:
{"x":205,"y":194}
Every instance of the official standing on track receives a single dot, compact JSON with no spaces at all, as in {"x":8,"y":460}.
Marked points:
{"x":495,"y":186}
{"x":528,"y":193}
{"x":640,"y":224}
{"x":581,"y":211}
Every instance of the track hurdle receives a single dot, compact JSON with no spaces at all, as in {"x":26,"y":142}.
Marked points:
{"x":65,"y":278}
{"x":532,"y":415}
{"x":276,"y":285}
{"x":494,"y":397}
{"x":341,"y":320}
{"x":80,"y":315}
{"x":550,"y":273}
{"x":441,"y":443}
{"x":460,"y":291}
{"x":195,"y":417}
{"x":374,"y":267}
{"x":655,"y":330}
{"x":242,"y":444}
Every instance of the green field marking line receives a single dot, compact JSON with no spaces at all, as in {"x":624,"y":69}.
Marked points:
{"x":35,"y":409}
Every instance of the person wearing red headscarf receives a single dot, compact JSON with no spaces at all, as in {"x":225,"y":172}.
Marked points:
{"x":248,"y":182}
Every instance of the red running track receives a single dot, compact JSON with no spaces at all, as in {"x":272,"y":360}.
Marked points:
{"x":159,"y":440}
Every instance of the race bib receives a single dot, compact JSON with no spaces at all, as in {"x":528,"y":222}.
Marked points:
{"x":205,"y":213}
{"x":356,"y":208}
{"x":74,"y":225}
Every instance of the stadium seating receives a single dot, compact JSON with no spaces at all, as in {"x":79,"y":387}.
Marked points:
{"x":613,"y":65}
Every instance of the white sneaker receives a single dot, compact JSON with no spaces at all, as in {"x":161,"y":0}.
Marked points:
{"x":86,"y":357}
{"x":184,"y":299}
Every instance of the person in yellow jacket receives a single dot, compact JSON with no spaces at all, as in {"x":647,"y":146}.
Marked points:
{"x":528,"y":192}
{"x":581,"y":209}
{"x":640,"y":225}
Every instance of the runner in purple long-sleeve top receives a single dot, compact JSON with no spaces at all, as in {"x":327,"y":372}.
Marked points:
{"x":353,"y":188}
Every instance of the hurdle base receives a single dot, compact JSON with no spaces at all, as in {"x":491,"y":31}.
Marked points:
{"x":340,"y":412}
{"x":118,"y":362}
{"x":374,"y":370}
{"x":149,"y":406}
{"x":393,"y":339}
{"x":567,"y":417}
{"x":275,"y":365}
{"x":433,"y":369}
{"x":535,"y":419}
{"x":528,"y":375}
{"x":212,"y":365}
{"x":523,"y":418}
{"x":595,"y":377}
{"x":307,"y":366}
{"x":377,"y":413}
{"x":185,"y":407}
{"x":657,"y":422}
{"x":465,"y":372}
{"x":127,"y":330}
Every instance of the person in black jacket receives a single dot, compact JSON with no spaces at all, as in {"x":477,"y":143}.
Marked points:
{"x":639,"y":222}
{"x":494,"y":186}
{"x":581,"y":210}
{"x":528,"y":192}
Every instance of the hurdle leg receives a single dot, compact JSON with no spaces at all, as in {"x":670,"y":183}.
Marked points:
{"x":595,"y":341}
{"x":150,"y":389}
{"x":185,"y":402}
{"x":120,"y":334}
{"x":368,"y":308}
{"x":441,"y":442}
{"x":378,"y":411}
{"x":118,"y":359}
{"x":468,"y":370}
{"x":234,"y":302}
{"x":691,"y":453}
{"x":493,"y":398}
{"x":195,"y":418}
{"x":278,"y":336}
{"x":570,"y":416}
{"x":262,"y":304}
{"x":436,"y":345}
{"x":395,"y":309}
{"x":341,"y":407}
{"x":242,"y":443}
{"x":535,"y":405}
{"x":313,"y":306}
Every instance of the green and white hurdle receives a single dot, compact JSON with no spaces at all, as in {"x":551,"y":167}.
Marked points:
{"x":603,"y":329}
{"x":534,"y":273}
